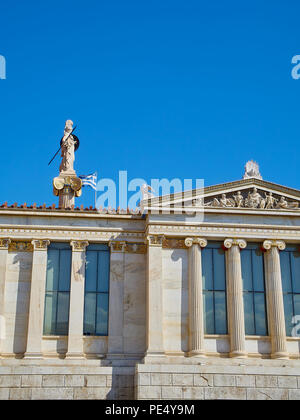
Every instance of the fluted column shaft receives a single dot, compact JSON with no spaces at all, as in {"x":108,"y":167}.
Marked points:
{"x":76,"y":313}
{"x":37,"y":299}
{"x":196,"y":316}
{"x":235,"y":303}
{"x":275,"y":298}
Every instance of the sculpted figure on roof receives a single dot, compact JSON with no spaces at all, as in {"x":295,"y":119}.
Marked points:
{"x":67,"y":149}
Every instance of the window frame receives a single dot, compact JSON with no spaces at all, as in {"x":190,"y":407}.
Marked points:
{"x":218,"y":246}
{"x":56,"y":292}
{"x":253,"y":247}
{"x":289,"y":250}
{"x":98,"y":248}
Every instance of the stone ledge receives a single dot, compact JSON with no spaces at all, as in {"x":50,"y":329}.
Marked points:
{"x":280,"y":369}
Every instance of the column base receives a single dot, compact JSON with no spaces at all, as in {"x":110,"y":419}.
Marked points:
{"x":280,"y":355}
{"x":74,"y":356}
{"x":33,"y":355}
{"x":197,"y":353}
{"x":238,"y":354}
{"x":154,"y":357}
{"x":12,"y":355}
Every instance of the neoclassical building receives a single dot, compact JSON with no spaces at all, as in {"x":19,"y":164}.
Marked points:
{"x":194,"y":297}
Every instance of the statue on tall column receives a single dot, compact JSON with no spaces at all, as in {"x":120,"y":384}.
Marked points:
{"x":67,"y":185}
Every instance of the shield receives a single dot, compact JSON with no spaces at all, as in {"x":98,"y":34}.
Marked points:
{"x":76,"y":139}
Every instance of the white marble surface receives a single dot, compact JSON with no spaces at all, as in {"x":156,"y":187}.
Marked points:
{"x":175,"y":299}
{"x":17,"y":291}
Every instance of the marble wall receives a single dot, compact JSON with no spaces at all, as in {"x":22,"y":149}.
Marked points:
{"x":16,"y":301}
{"x":175,"y":300}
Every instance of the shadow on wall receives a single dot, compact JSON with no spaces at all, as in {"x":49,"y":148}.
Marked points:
{"x":122,"y":385}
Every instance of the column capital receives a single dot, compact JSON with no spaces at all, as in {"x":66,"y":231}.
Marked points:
{"x":229,"y":242}
{"x":117,"y":246}
{"x":40,"y":244}
{"x":202,"y":242}
{"x":4,"y":243}
{"x":155,"y":240}
{"x":269,"y":243}
{"x":79,"y":246}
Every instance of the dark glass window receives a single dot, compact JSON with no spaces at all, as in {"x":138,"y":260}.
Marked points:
{"x":253,"y":274}
{"x":214,"y":289}
{"x":96,"y":290}
{"x":290,"y":275}
{"x":57,"y":297}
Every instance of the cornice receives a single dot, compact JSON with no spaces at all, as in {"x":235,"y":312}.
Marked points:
{"x":69,"y":233}
{"x":220,"y":231}
{"x":70,"y":214}
{"x":191,"y":211}
{"x":208,"y":191}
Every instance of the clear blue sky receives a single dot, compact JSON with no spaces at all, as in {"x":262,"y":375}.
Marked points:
{"x":160,"y":88}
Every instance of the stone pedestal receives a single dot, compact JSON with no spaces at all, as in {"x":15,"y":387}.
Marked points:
{"x":66,"y":198}
{"x":275,"y":298}
{"x":67,"y":186}
{"x":37,"y":299}
{"x":196,"y":320}
{"x":75,"y":336}
{"x":235,"y":303}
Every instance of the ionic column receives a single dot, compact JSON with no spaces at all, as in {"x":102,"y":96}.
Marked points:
{"x":275,"y":298}
{"x":116,"y":300}
{"x":4,"y":243}
{"x":235,"y":302}
{"x":196,"y":316}
{"x":76,"y":313}
{"x":154,"y":298}
{"x":37,"y":299}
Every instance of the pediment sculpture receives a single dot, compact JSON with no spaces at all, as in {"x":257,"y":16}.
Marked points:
{"x":253,"y":200}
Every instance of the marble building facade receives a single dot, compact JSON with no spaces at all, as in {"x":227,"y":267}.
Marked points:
{"x":200,"y":300}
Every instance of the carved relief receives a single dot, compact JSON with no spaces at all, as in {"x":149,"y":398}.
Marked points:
{"x":15,"y":246}
{"x":174,"y":244}
{"x":130,"y":247}
{"x":253,"y":200}
{"x":136,"y":248}
{"x":4,"y":243}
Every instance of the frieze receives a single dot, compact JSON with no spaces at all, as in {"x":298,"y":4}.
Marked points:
{"x":135,"y":248}
{"x":224,"y":231}
{"x":174,"y":243}
{"x":128,"y":247}
{"x":251,"y":199}
{"x":4,"y":243}
{"x":18,"y":246}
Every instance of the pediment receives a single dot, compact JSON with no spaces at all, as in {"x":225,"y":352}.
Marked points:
{"x":245,"y":194}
